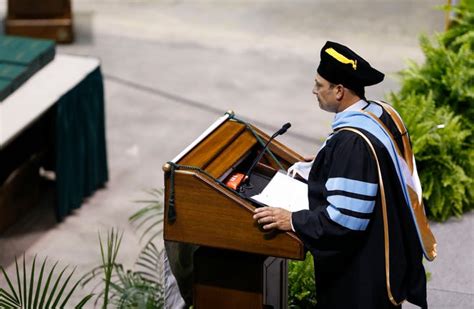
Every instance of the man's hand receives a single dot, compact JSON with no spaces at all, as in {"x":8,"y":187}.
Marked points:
{"x":273,"y":218}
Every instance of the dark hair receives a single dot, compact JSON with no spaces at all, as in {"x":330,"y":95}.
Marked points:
{"x":359,"y":92}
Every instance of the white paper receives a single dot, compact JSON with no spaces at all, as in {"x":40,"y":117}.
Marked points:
{"x":285,"y":192}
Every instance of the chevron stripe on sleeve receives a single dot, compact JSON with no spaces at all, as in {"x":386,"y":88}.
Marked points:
{"x":351,"y":202}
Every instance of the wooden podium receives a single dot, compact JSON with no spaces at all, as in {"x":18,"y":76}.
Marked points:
{"x":238,"y":264}
{"x":44,"y":19}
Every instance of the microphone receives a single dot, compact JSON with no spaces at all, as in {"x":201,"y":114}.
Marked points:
{"x":281,"y":131}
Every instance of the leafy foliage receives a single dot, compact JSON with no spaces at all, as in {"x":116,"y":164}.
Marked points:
{"x":26,"y":295}
{"x":460,"y":32}
{"x":149,"y":218}
{"x":437,"y":103}
{"x":142,"y":287}
{"x":448,"y":73}
{"x":444,"y":161}
{"x":126,"y":288}
{"x":449,"y":67}
{"x":302,"y":288}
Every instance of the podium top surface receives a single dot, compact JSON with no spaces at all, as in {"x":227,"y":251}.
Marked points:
{"x":227,"y":141}
{"x":200,"y":138}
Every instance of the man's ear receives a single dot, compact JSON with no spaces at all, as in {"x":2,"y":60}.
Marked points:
{"x":339,"y":92}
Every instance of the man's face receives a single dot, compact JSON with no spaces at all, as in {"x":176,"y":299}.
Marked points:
{"x":326,"y":94}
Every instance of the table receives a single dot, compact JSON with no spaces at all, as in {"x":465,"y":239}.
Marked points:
{"x":61,"y":107}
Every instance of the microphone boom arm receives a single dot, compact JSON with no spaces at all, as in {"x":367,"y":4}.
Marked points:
{"x":282,"y":130}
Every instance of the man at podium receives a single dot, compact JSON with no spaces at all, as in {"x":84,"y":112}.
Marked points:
{"x":365,"y":226}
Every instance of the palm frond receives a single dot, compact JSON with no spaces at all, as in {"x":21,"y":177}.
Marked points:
{"x":125,"y":288}
{"x":149,"y":218}
{"x":150,"y":263}
{"x":28,"y":294}
{"x":108,"y":260}
{"x":84,"y":301}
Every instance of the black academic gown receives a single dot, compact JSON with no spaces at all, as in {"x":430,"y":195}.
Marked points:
{"x":344,"y":227}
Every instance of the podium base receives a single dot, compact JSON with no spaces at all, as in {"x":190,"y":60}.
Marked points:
{"x":231,"y":279}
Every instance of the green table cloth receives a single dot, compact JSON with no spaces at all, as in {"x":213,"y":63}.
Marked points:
{"x":81,"y":155}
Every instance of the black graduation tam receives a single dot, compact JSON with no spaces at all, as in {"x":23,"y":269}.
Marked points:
{"x":340,"y":65}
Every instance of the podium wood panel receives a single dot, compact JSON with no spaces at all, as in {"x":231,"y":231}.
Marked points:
{"x":233,"y":153}
{"x":209,"y":215}
{"x":228,"y":144}
{"x":213,"y":145}
{"x":230,"y":279}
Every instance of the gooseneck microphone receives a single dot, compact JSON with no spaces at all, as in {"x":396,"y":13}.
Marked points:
{"x":281,"y":131}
